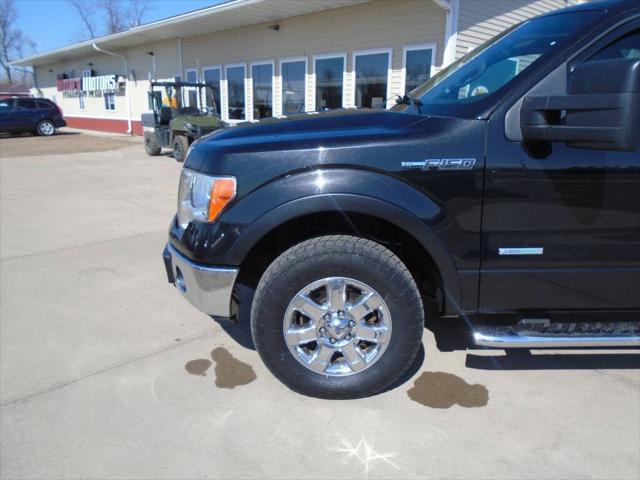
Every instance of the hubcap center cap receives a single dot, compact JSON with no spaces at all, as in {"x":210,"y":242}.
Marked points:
{"x":337,"y":324}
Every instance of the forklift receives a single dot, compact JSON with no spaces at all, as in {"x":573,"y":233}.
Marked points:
{"x":173,"y":125}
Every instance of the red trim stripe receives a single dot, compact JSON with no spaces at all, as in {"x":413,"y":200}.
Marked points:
{"x":104,"y":124}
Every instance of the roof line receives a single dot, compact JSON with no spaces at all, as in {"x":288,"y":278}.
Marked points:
{"x":140,"y":29}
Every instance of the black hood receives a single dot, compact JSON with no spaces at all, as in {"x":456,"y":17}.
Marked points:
{"x":307,"y":131}
{"x":260,"y":152}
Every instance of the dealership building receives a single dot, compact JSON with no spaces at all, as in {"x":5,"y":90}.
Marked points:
{"x":272,"y":57}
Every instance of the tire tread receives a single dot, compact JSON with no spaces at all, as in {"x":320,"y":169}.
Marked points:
{"x":388,"y":266}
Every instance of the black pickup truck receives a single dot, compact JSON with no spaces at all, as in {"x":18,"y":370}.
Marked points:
{"x":505,"y":192}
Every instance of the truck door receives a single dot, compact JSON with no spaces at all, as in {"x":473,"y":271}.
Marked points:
{"x":561,"y":225}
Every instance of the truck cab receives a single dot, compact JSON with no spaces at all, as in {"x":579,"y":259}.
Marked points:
{"x":503,"y":192}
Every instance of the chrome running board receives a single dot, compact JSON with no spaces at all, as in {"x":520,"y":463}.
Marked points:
{"x":529,"y":334}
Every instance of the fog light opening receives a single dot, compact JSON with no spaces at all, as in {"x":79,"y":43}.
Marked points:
{"x":180,"y":281}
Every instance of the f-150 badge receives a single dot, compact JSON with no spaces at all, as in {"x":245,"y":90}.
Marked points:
{"x":442,"y":164}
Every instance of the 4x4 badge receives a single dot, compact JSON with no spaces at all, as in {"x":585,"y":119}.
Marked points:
{"x":442,"y":164}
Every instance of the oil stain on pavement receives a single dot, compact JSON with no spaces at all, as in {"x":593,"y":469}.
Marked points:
{"x":444,"y":390}
{"x":198,"y":367}
{"x":230,"y":372}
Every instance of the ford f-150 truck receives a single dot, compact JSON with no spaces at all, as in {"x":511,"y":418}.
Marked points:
{"x":504,"y":191}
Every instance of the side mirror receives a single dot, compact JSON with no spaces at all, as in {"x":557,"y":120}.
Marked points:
{"x":601,"y":110}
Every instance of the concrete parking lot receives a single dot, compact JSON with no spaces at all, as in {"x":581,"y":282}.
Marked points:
{"x":107,"y":373}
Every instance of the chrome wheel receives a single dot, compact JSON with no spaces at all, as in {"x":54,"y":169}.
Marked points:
{"x":46,"y":128}
{"x":337,"y":326}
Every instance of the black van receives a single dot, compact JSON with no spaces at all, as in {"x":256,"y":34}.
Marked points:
{"x":37,"y":115}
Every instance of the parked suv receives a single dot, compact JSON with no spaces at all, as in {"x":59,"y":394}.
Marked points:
{"x":37,"y":115}
{"x":504,"y":192}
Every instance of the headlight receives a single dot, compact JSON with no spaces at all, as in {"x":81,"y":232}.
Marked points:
{"x":201,"y":197}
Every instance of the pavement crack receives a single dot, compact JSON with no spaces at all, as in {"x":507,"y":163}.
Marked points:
{"x":62,"y":249}
{"x":129,"y":361}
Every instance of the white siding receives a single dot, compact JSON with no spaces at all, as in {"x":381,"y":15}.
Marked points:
{"x":140,"y":67}
{"x":479,"y":20}
{"x":373,"y":25}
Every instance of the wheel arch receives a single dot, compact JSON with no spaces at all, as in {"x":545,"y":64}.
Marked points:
{"x":303,"y":218}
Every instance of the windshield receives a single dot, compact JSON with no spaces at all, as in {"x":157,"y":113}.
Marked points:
{"x":481,"y":74}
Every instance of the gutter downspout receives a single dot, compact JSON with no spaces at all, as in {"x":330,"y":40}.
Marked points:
{"x":451,"y":30}
{"x":180,"y":58}
{"x":126,"y":87}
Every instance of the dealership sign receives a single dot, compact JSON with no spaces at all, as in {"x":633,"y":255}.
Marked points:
{"x":89,"y":86}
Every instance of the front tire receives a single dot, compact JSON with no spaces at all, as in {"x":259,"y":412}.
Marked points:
{"x":337,"y":317}
{"x":180,"y":147}
{"x":151,"y":144}
{"x":45,"y":128}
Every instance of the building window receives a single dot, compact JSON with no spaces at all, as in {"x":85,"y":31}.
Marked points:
{"x":329,"y":79}
{"x":212,"y":78}
{"x":109,"y":101}
{"x":418,"y":63}
{"x":192,"y":76}
{"x":155,"y":100}
{"x":294,"y":73}
{"x":371,"y":78}
{"x":262,"y":81}
{"x":190,"y":94}
{"x":81,"y":101}
{"x":235,"y":93}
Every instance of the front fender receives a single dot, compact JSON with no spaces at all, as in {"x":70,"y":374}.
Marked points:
{"x":229,"y":240}
{"x":345,"y":190}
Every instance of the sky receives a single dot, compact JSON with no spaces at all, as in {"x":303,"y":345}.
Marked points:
{"x":55,"y":23}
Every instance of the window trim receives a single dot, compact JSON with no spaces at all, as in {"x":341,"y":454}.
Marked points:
{"x":220,"y":69}
{"x":249,"y":81}
{"x":104,"y":98}
{"x":357,"y":53}
{"x":224,"y":94}
{"x":186,"y":90}
{"x":280,"y":111}
{"x":412,"y":48}
{"x":325,"y":56}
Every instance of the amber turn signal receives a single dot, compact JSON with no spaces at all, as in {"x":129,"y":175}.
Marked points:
{"x":222,"y":192}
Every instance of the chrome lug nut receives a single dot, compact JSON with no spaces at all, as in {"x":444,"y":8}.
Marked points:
{"x":348,"y":337}
{"x":322,"y":330}
{"x":352,"y":323}
{"x":332,"y":340}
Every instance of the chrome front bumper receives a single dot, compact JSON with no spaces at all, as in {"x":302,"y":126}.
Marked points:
{"x":209,"y":289}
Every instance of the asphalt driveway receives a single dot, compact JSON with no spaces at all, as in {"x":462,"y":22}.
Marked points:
{"x":107,"y":373}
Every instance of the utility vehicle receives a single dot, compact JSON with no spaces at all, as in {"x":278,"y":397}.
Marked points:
{"x":172,"y":125}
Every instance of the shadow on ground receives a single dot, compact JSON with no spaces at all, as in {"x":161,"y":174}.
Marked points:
{"x":30,"y":134}
{"x":454,"y":335}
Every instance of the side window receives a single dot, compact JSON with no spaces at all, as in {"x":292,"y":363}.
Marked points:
{"x":43,"y":104}
{"x":5,"y":105}
{"x":625,"y":47}
{"x":26,"y":104}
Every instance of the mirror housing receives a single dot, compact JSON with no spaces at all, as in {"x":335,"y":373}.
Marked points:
{"x":601,"y":110}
